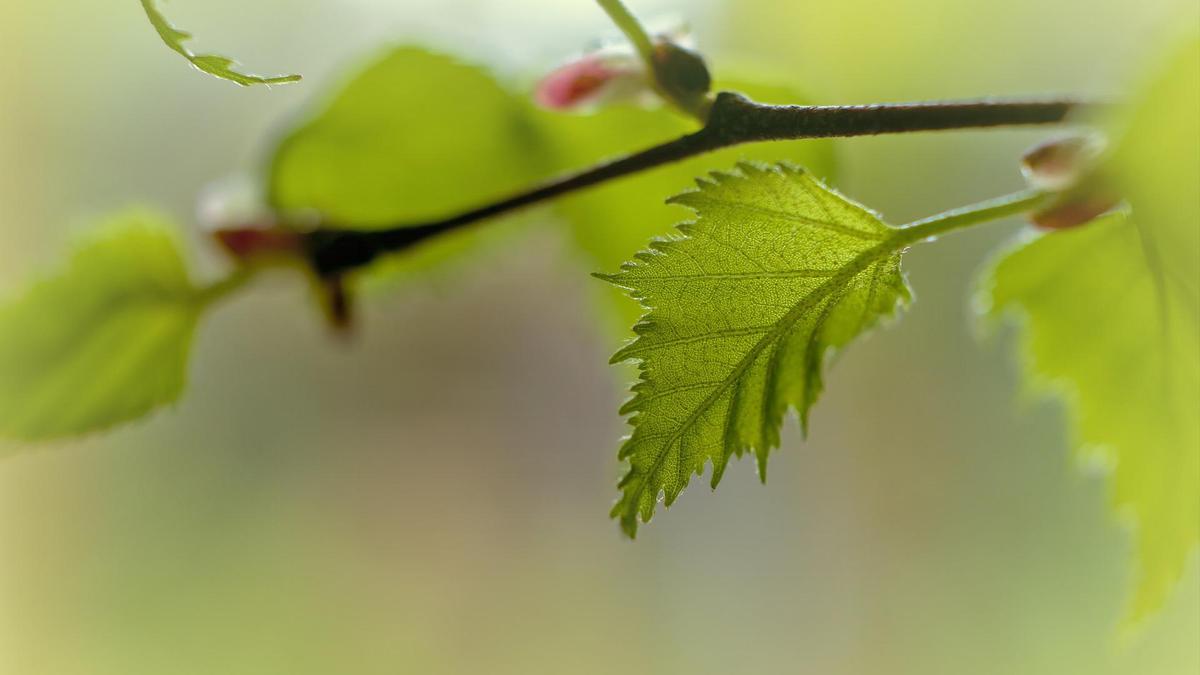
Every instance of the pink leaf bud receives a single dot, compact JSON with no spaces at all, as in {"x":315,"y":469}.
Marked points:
{"x":594,"y":78}
{"x":1068,"y":167}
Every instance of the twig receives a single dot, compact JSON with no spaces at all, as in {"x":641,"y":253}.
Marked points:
{"x":734,"y":120}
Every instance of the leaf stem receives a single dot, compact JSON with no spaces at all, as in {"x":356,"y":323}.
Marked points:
{"x":932,"y":227}
{"x":734,"y":120}
{"x":222,"y":288}
{"x":633,"y":30}
{"x":217,"y":66}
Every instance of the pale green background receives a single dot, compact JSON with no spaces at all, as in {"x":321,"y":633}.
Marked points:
{"x":432,"y":497}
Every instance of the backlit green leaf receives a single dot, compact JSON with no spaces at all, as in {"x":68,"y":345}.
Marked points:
{"x":102,"y":342}
{"x":1112,"y":322}
{"x":776,"y":271}
{"x":217,"y":66}
{"x":413,"y":137}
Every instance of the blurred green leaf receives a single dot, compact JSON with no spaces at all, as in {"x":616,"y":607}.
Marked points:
{"x":1112,"y":323}
{"x":776,"y":271}
{"x":611,"y":221}
{"x":413,"y":137}
{"x":104,"y":341}
{"x":217,"y":66}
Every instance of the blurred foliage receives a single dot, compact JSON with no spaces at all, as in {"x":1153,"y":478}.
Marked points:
{"x":412,"y":137}
{"x":1112,"y":312}
{"x":104,"y":341}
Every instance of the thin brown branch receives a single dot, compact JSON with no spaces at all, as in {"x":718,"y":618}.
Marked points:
{"x":734,"y":120}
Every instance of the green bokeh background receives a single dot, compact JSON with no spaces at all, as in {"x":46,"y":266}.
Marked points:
{"x":432,"y":497}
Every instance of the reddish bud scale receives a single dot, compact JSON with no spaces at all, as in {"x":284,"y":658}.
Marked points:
{"x":576,"y":83}
{"x":1068,"y":167}
{"x":1061,"y":163}
{"x":247,"y":243}
{"x":1073,"y":211}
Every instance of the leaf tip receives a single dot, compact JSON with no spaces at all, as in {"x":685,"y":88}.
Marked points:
{"x":613,"y":278}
